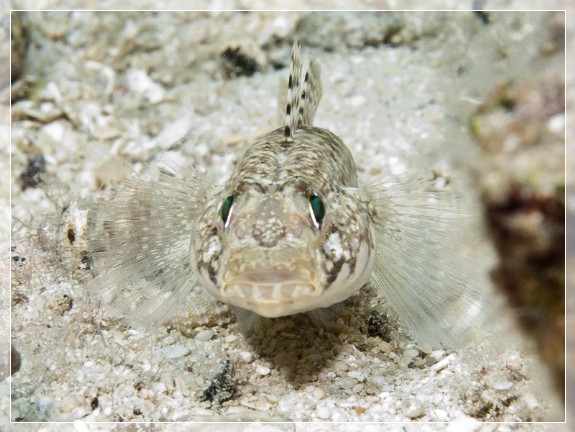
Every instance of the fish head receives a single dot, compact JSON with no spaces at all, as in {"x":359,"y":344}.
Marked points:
{"x":283,"y":249}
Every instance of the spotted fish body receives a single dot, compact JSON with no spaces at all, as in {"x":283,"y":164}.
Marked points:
{"x":271,"y":254}
{"x":291,"y":230}
{"x":284,"y":235}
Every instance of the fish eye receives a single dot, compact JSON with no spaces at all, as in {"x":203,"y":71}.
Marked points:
{"x":226,"y":210}
{"x":317,"y":210}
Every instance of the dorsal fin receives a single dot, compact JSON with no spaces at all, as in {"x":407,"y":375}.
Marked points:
{"x":303,"y":94}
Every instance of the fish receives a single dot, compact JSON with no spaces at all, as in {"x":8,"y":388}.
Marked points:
{"x":292,"y":230}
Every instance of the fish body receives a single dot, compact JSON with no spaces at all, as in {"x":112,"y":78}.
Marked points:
{"x":285,"y":235}
{"x":295,"y":238}
{"x":292,"y":230}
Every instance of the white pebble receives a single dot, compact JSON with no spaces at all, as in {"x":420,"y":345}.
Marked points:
{"x":168,"y":380}
{"x":54,"y":130}
{"x":262,"y":370}
{"x":502,"y":385}
{"x":169,"y":340}
{"x":346,"y":383}
{"x":514,"y":362}
{"x":341,"y":366}
{"x":247,"y":356}
{"x":442,"y":364}
{"x":204,"y":335}
{"x":174,"y":132}
{"x":231,"y":338}
{"x":531,"y":401}
{"x":323,"y":413}
{"x":412,"y":407}
{"x":556,"y":123}
{"x":67,"y":404}
{"x":146,"y":393}
{"x":411,"y":352}
{"x":79,"y":413}
{"x":357,"y":101}
{"x":425,"y":348}
{"x":175,"y":351}
{"x":437,"y":354}
{"x":318,"y":393}
{"x":139,"y":82}
{"x":159,"y":387}
{"x":440,"y":415}
{"x":384,"y":346}
{"x":357,"y":375}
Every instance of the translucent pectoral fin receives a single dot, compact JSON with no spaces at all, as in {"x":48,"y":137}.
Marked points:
{"x":431,"y":266}
{"x":139,"y":243}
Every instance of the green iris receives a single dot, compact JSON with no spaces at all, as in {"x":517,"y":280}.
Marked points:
{"x":317,"y":208}
{"x":226,"y":209}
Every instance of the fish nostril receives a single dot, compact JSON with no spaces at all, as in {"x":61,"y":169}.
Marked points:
{"x":269,"y":232}
{"x":241,"y":231}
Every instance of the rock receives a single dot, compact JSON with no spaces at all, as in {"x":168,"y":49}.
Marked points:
{"x":523,"y":188}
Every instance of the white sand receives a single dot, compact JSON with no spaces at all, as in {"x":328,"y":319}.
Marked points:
{"x":80,"y":363}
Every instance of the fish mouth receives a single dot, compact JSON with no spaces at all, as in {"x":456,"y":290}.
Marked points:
{"x":270,"y":293}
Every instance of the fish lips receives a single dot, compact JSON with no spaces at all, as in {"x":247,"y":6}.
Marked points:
{"x":271,"y":292}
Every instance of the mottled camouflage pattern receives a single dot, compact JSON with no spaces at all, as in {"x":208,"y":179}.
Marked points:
{"x":271,"y":256}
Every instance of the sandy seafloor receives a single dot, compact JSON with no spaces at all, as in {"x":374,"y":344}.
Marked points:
{"x":146,"y":86}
